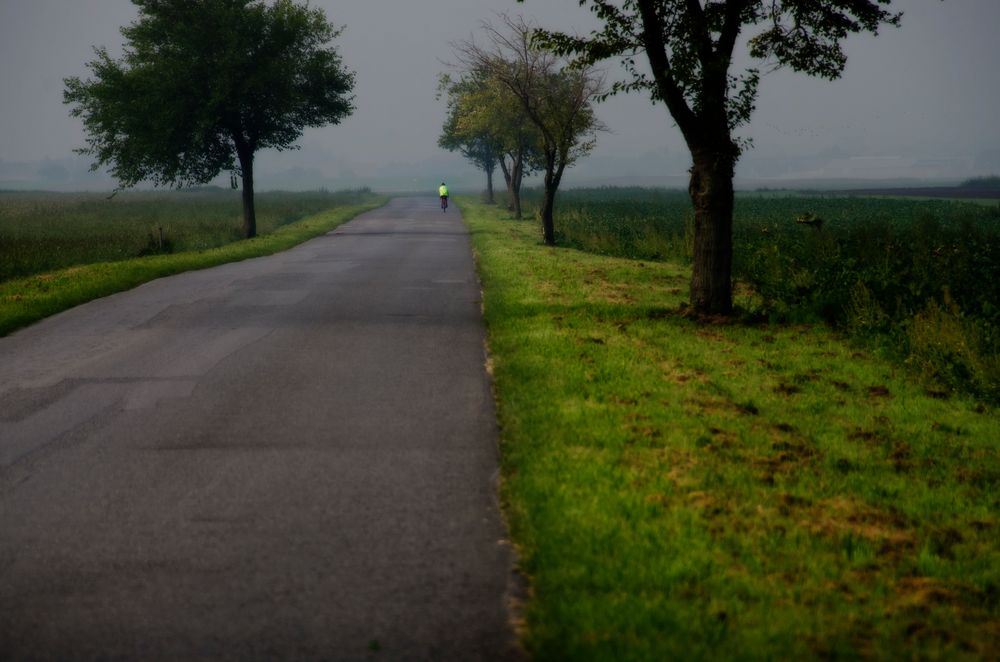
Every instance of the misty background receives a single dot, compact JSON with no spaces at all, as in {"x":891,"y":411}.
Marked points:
{"x":918,"y":104}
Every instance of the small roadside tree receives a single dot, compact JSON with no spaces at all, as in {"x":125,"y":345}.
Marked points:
{"x":689,"y":46}
{"x":519,"y":155}
{"x":202,"y":86}
{"x":483,"y":109}
{"x":478,"y":145}
{"x":481,"y":151}
{"x":556,"y":99}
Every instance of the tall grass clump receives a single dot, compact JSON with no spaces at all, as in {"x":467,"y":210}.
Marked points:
{"x":886,"y":270}
{"x":922,"y":279}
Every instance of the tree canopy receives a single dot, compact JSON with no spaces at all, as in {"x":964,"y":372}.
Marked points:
{"x":202,"y":86}
{"x":487,"y":121}
{"x":556,"y":99}
{"x":479,"y":144}
{"x":689,"y":46}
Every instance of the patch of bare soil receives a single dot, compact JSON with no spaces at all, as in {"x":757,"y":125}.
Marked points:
{"x":785,"y":388}
{"x":887,"y":531}
{"x":878,"y":392}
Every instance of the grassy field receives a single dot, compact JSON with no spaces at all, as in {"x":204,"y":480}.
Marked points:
{"x":920,"y":279}
{"x":58,"y":251}
{"x":731,"y":491}
{"x":42,"y":231}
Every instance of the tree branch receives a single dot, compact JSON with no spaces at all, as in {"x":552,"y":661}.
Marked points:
{"x":656,"y":51}
{"x":731,"y":27}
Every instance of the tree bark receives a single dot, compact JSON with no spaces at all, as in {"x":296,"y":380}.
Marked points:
{"x":507,"y":180}
{"x":711,"y":190}
{"x":489,"y":184}
{"x":517,"y":173}
{"x":548,"y":226}
{"x":553,"y":175}
{"x":245,"y":155}
{"x":513,"y":174}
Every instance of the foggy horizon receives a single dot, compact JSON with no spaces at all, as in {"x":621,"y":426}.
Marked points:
{"x":914,"y":103}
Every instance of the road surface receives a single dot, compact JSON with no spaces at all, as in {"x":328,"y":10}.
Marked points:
{"x":292,"y":457}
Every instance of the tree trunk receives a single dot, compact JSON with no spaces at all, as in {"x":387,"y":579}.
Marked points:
{"x":711,"y":191}
{"x":507,"y":179}
{"x":516,"y":174}
{"x":245,"y":155}
{"x":489,"y":184}
{"x":548,"y":204}
{"x":553,"y":175}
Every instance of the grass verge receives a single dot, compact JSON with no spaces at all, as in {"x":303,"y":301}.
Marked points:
{"x":686,"y":491}
{"x":27,"y":300}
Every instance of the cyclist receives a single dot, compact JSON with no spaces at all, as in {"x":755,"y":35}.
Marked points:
{"x":443,"y":192}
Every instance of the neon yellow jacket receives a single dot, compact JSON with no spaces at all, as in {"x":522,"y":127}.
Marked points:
{"x":443,"y":191}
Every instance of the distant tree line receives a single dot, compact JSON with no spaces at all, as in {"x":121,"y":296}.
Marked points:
{"x":991,"y":182}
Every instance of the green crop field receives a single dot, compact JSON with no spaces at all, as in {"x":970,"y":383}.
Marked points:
{"x":41,"y":231}
{"x":60,"y":250}
{"x":758,"y":489}
{"x":920,"y":278}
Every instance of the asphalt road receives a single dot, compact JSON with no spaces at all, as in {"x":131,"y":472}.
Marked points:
{"x":292,"y":457}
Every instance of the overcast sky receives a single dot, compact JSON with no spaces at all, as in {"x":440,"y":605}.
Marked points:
{"x":921,"y":99}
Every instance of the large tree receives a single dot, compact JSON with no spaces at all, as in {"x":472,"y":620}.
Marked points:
{"x":203,"y":85}
{"x":689,"y":46}
{"x":556,"y":99}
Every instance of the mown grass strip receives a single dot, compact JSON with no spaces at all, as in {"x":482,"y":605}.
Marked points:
{"x":27,"y":300}
{"x":918,"y":280}
{"x":682,"y":491}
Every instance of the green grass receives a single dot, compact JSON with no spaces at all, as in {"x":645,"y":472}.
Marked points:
{"x":44,"y":231}
{"x":687,"y":491}
{"x":920,"y":279}
{"x":31,"y":298}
